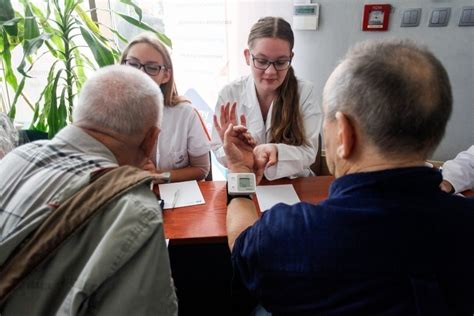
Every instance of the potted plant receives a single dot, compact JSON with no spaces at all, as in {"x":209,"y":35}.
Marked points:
{"x":61,"y":29}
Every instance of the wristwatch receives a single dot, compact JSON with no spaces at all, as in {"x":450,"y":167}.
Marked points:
{"x":165,"y":176}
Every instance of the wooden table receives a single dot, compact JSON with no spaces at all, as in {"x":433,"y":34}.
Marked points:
{"x":207,"y":223}
{"x":199,"y":223}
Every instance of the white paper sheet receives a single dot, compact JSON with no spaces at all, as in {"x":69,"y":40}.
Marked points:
{"x":269,"y":195}
{"x":179,"y":194}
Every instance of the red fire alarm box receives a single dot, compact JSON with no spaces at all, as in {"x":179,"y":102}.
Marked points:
{"x":376,"y":17}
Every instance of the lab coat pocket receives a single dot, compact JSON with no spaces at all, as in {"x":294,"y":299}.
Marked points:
{"x":180,"y":159}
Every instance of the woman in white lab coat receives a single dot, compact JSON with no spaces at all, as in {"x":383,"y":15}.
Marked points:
{"x":281,"y":112}
{"x":458,"y":174}
{"x":183,"y":144}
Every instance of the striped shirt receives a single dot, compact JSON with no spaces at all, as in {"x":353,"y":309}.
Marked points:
{"x":39,"y":174}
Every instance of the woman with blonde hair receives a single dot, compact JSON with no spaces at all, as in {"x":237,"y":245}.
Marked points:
{"x":183,"y":144}
{"x":281,"y":112}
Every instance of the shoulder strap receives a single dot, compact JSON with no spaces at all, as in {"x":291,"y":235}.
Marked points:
{"x":65,"y":220}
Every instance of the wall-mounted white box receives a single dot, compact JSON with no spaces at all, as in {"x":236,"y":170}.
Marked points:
{"x":305,"y":16}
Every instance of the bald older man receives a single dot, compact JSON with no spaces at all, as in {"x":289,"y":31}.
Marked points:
{"x":387,"y":241}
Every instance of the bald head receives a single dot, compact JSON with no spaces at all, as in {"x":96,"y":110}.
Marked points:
{"x":397,"y":93}
{"x":120,"y":100}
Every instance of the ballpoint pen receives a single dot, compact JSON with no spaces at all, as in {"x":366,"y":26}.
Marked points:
{"x":176,"y":195}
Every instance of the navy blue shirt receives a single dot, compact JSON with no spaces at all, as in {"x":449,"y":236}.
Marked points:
{"x":383,"y":243}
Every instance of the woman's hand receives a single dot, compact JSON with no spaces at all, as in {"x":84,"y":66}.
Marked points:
{"x":228,"y":116}
{"x":266,"y":155}
{"x":149,"y":166}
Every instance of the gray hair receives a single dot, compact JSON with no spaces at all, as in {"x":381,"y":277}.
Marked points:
{"x":8,"y":135}
{"x":120,"y":99}
{"x":398,"y":93}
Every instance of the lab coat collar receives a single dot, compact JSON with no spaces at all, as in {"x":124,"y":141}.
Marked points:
{"x":249,"y":99}
{"x":248,"y":95}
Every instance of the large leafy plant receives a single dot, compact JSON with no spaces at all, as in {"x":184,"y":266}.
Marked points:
{"x":61,"y":29}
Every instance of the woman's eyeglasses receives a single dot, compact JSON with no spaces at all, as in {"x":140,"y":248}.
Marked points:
{"x":263,"y":64}
{"x":151,"y":69}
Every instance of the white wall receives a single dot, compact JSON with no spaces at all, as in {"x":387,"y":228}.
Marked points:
{"x":317,"y":52}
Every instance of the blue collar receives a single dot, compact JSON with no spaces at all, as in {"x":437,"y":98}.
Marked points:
{"x":400,"y":180}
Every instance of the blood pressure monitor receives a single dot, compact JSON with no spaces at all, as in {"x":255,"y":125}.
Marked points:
{"x":241,"y":183}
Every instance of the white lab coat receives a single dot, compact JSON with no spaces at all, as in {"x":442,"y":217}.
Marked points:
{"x":460,"y":171}
{"x":292,"y":160}
{"x":182,"y":135}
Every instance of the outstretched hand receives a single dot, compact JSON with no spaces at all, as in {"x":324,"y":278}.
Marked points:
{"x":228,"y":116}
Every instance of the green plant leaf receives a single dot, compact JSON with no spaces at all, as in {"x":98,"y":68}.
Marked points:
{"x":62,"y":112}
{"x":47,"y":28}
{"x":11,"y":22}
{"x":31,"y":27}
{"x":79,"y":70}
{"x":41,"y":112}
{"x":102,"y":54}
{"x":7,"y":13}
{"x":7,"y":62}
{"x":144,"y":26}
{"x":91,"y":25}
{"x":6,"y":10}
{"x":89,"y":62}
{"x":137,"y":9}
{"x":120,"y":36}
{"x":35,"y":115}
{"x":53,"y":108}
{"x":12,"y":40}
{"x":29,"y":48}
{"x":53,"y":50}
{"x":70,"y":5}
{"x":12,"y":112}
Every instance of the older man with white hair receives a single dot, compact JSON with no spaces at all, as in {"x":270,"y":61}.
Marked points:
{"x":117,"y":264}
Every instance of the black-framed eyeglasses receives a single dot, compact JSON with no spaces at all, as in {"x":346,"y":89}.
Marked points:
{"x":263,"y":64}
{"x":151,"y":69}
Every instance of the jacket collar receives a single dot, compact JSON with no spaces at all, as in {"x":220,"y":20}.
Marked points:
{"x":83,"y":142}
{"x":389,"y":181}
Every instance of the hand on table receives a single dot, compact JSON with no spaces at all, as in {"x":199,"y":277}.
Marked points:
{"x":446,"y":186}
